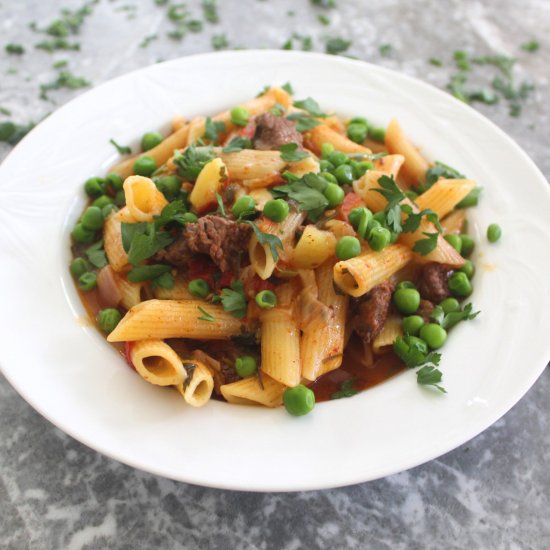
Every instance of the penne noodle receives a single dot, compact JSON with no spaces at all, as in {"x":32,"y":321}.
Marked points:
{"x":156,"y":362}
{"x":208,"y":185}
{"x":444,"y":195}
{"x":304,"y":166}
{"x":175,"y":319}
{"x":261,"y":258}
{"x":249,"y":164}
{"x":365,"y":188}
{"x":415,"y":166}
{"x":314,"y":248}
{"x":197,"y":388}
{"x":325,"y":134}
{"x":385,"y":339}
{"x":390,"y":164}
{"x":454,"y":222}
{"x":178,"y":292}
{"x":143,"y":200}
{"x":360,"y":274}
{"x":249,"y":391}
{"x":112,"y":243}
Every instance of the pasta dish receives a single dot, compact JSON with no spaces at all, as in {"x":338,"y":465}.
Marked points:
{"x":276,"y":254}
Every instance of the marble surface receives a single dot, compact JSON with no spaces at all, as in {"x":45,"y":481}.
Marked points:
{"x":493,"y":492}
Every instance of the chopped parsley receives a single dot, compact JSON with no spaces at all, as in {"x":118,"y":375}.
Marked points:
{"x":272,"y":241}
{"x":291,"y":153}
{"x":413,"y":352}
{"x":234,"y":300}
{"x":122,"y":149}
{"x":449,"y":320}
{"x":221,"y":207}
{"x":531,"y":46}
{"x":439,"y":170}
{"x":311,"y":106}
{"x":323,"y":19}
{"x":427,"y":245}
{"x":287,"y":87}
{"x":385,"y":50}
{"x":237,"y":144}
{"x":148,"y":39}
{"x":324,"y":3}
{"x":192,"y":160}
{"x":147,"y":272}
{"x":336,"y":46}
{"x":412,"y":223}
{"x":390,"y":191}
{"x":15,"y":49}
{"x":430,"y":376}
{"x":96,"y":255}
{"x":64,"y":80}
{"x":213,"y":129}
{"x":219,"y":42}
{"x":303,"y":121}
{"x":142,"y":240}
{"x":174,"y":211}
{"x":308,"y":194}
{"x":57,"y":44}
{"x":436,"y":62}
{"x":205,"y":315}
{"x":210,"y":11}
{"x":346,"y":390}
{"x":12,"y":133}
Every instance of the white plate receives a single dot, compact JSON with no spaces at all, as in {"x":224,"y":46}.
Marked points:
{"x":65,"y":369}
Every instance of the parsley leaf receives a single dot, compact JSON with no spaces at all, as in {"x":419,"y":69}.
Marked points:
{"x":390,"y":191}
{"x":65,"y":79}
{"x":237,"y":144}
{"x":147,"y":272}
{"x":311,"y":106}
{"x":213,"y":129}
{"x":234,"y":300}
{"x":146,"y":243}
{"x":13,"y":133}
{"x":128,"y":230}
{"x":166,"y":280}
{"x":210,"y":11}
{"x":413,"y":352}
{"x":303,"y":122}
{"x":425,"y":246}
{"x":430,"y":376}
{"x":15,"y":49}
{"x":336,"y":46}
{"x":439,"y":170}
{"x":205,"y":315}
{"x":192,"y":161}
{"x":221,"y":208}
{"x":393,"y":218}
{"x":412,"y":223}
{"x":291,"y":153}
{"x":266,"y":238}
{"x":57,"y":44}
{"x":346,"y":389}
{"x":172,"y":212}
{"x":287,"y":87}
{"x":277,"y":109}
{"x":122,"y":149}
{"x":531,"y":46}
{"x":96,"y":255}
{"x":219,"y":41}
{"x":449,"y":320}
{"x":308,"y":193}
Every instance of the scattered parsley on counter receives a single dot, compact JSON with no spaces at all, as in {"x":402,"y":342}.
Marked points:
{"x":147,"y":40}
{"x":210,"y":11}
{"x":324,"y":3}
{"x":323,"y":19}
{"x":435,"y":62}
{"x":336,"y":46}
{"x":13,"y":133}
{"x":57,"y":44}
{"x":219,"y":42}
{"x":15,"y":49}
{"x":531,"y":46}
{"x":64,"y":80}
{"x":385,"y":50}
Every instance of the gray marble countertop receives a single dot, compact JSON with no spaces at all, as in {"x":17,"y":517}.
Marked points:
{"x":493,"y":492}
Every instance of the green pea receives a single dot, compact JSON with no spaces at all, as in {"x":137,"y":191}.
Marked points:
{"x":469,"y":268}
{"x":276,"y":210}
{"x":378,"y":134}
{"x":405,"y":284}
{"x":239,"y":116}
{"x":266,"y":299}
{"x":329,"y":177}
{"x":412,"y":324}
{"x":411,"y":195}
{"x":115,"y":181}
{"x":245,"y":205}
{"x":326,"y":150}
{"x":455,"y":241}
{"x":94,"y":187}
{"x":87,"y":281}
{"x":460,"y":285}
{"x":360,"y":168}
{"x":360,"y":219}
{"x":246,"y":366}
{"x":102,"y":201}
{"x":189,"y":217}
{"x":144,"y":166}
{"x":406,"y":300}
{"x":334,"y":194}
{"x":108,"y":209}
{"x":82,"y":235}
{"x":150,"y":140}
{"x":198,"y":288}
{"x":357,"y":132}
{"x":348,"y":247}
{"x":169,"y":186}
{"x":380,"y":217}
{"x":434,"y":335}
{"x":379,"y":238}
{"x":449,"y":305}
{"x":120,"y":198}
{"x":108,"y":319}
{"x":78,"y":267}
{"x":92,"y":218}
{"x":344,"y":174}
{"x":494,"y":233}
{"x":337,"y":158}
{"x":326,"y":166}
{"x":360,"y":120}
{"x":468,"y":245}
{"x":298,"y":400}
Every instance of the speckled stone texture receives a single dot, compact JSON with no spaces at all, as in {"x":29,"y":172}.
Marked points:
{"x":493,"y":492}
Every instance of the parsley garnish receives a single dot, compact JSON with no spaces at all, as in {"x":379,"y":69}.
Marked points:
{"x":346,"y":389}
{"x":323,"y":19}
{"x":219,"y":41}
{"x":412,"y":223}
{"x":234,"y":300}
{"x":213,"y":129}
{"x":311,"y":106}
{"x":287,"y":87}
{"x":385,"y":50}
{"x":291,"y":153}
{"x":303,"y":122}
{"x":449,"y":320}
{"x":277,"y":109}
{"x":435,"y":62}
{"x":425,"y":246}
{"x":412,"y":353}
{"x":531,"y":46}
{"x":173,"y":212}
{"x":210,"y":11}
{"x":390,"y":191}
{"x":307,"y":192}
{"x":336,"y":46}
{"x":430,"y":376}
{"x":237,"y":144}
{"x":13,"y":133}
{"x":15,"y":49}
{"x":64,"y":80}
{"x":147,"y":272}
{"x":57,"y":44}
{"x":122,"y":149}
{"x":96,"y":255}
{"x":205,"y":315}
{"x":266,"y":238}
{"x":166,"y":280}
{"x":145,"y":241}
{"x":192,"y":161}
{"x":221,"y":208}
{"x":439,"y":170}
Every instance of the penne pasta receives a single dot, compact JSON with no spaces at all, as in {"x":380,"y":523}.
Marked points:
{"x":454,"y":222}
{"x":208,"y":185}
{"x":250,"y":391}
{"x":156,"y":362}
{"x":314,"y":248}
{"x":253,"y":165}
{"x":385,"y":339}
{"x":444,"y":195}
{"x":112,"y":243}
{"x":198,"y":386}
{"x":175,"y":319}
{"x":325,"y":134}
{"x":143,"y":199}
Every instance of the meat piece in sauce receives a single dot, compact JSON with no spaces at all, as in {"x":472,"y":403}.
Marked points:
{"x":371,"y":311}
{"x":177,"y":253}
{"x":274,"y":131}
{"x":424,"y":310}
{"x":433,"y":282}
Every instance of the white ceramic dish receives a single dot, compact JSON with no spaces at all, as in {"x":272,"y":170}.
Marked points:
{"x":65,"y":369}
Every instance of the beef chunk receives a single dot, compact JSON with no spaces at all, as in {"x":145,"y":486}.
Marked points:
{"x":222,"y":239}
{"x":177,"y":253}
{"x":432,"y":283}
{"x":273,"y":131}
{"x":228,"y":374}
{"x":424,"y":310}
{"x":371,"y":311}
